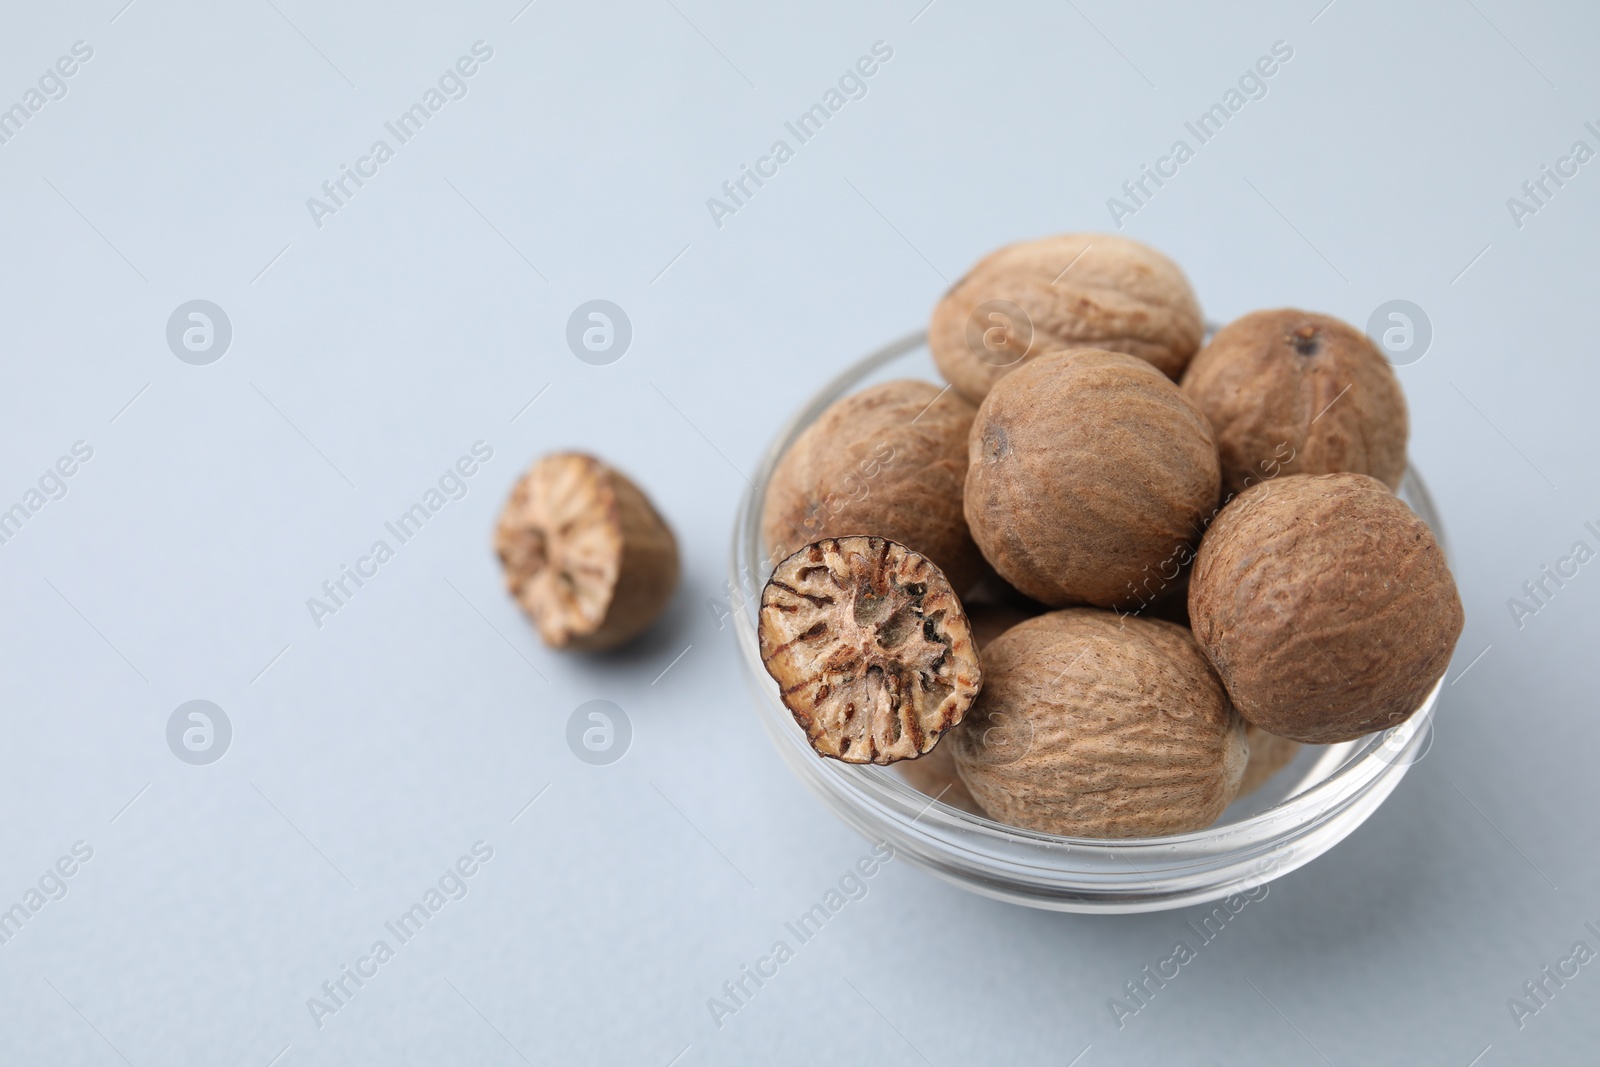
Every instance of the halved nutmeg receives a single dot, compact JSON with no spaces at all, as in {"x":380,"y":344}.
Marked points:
{"x":585,"y":554}
{"x":870,"y":648}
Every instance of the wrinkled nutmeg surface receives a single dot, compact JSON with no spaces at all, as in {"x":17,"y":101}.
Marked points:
{"x":1075,"y":290}
{"x":870,"y":648}
{"x":889,"y":461}
{"x":1088,"y":473}
{"x":1291,"y":392}
{"x":1326,"y":606}
{"x":585,"y":553}
{"x":1269,"y":754}
{"x":1091,"y":725}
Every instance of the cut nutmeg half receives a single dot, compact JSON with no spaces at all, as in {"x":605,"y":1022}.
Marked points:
{"x":585,"y":553}
{"x":871,"y":650}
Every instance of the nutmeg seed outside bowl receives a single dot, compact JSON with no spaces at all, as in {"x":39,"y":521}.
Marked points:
{"x":1304,"y":810}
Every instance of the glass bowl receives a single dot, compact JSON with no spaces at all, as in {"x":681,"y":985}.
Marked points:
{"x":1300,"y":813}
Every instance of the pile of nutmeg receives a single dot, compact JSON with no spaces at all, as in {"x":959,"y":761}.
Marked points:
{"x":1106,"y":579}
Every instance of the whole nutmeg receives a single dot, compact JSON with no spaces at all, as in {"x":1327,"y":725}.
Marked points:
{"x":585,"y":553}
{"x":870,"y":648}
{"x":1075,"y":290}
{"x":1088,"y":473}
{"x":888,"y":461}
{"x":1091,"y":725}
{"x":1290,"y":392}
{"x":1269,"y":754}
{"x":1326,"y":606}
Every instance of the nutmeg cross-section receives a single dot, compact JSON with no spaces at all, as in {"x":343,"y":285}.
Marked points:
{"x":870,"y":648}
{"x":585,"y":553}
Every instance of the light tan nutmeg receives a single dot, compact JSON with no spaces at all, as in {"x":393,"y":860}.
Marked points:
{"x":1091,"y":725}
{"x":1089,"y":476}
{"x":1326,"y":606}
{"x":870,"y":648}
{"x":1291,"y":392}
{"x":889,"y":461}
{"x":1269,"y":754}
{"x":585,"y":553}
{"x":1074,"y":290}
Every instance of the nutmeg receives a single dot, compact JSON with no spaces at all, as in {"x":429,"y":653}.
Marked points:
{"x":870,"y":648}
{"x":1092,"y":725}
{"x":888,"y":461}
{"x":1326,"y":606}
{"x":1074,"y":290}
{"x":1088,"y":473}
{"x":585,"y":553}
{"x":1291,"y":392}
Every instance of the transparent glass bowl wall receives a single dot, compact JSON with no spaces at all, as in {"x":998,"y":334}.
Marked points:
{"x":1303,"y":811}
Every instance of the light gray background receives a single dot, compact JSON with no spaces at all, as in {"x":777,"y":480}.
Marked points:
{"x":368,"y":354}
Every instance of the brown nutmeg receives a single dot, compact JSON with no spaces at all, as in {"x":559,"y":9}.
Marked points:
{"x":889,"y":461}
{"x":1088,"y":473}
{"x":1074,"y":290}
{"x":1092,"y":725}
{"x":870,"y":648}
{"x":1290,"y":392}
{"x":585,"y":553}
{"x":1269,"y":754}
{"x":1326,"y":606}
